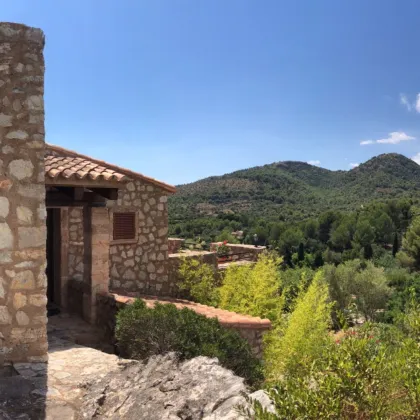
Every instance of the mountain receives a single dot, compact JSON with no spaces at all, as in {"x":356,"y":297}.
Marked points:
{"x":296,"y":190}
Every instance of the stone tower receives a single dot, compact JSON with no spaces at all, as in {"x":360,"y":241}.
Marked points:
{"x":22,"y":196}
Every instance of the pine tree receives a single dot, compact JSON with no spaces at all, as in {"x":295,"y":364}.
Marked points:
{"x":301,"y":252}
{"x":395,"y":245}
{"x":287,"y":257}
{"x":368,"y":251}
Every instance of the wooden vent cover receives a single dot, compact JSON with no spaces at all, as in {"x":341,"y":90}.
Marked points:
{"x":124,"y":226}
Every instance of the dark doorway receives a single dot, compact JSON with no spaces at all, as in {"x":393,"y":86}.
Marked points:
{"x":53,"y":260}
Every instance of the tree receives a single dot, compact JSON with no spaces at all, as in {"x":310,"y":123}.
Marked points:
{"x":411,"y":244}
{"x":364,"y":234}
{"x":301,"y":252}
{"x":311,"y":229}
{"x":291,"y":238}
{"x":384,"y":227}
{"x":367,"y":252}
{"x":395,"y":245}
{"x":325,"y":223}
{"x":292,"y":346}
{"x":360,"y":283}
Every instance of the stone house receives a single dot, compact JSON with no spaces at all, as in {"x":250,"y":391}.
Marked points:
{"x":106,"y":227}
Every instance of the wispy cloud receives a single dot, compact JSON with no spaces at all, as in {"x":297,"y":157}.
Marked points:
{"x":354,"y":165}
{"x":314,"y":162}
{"x":404,"y":101}
{"x":416,"y":158}
{"x":418,"y":103}
{"x":393,"y":138}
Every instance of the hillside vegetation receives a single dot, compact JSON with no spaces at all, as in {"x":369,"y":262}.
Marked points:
{"x":288,"y":191}
{"x":297,"y":189}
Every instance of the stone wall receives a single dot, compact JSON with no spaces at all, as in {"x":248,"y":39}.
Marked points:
{"x":174,"y":245}
{"x":239,"y":252}
{"x":141,"y":264}
{"x":75,"y":244}
{"x":22,"y":196}
{"x":250,"y":328}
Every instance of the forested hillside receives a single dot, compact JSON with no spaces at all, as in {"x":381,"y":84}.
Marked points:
{"x":288,"y":192}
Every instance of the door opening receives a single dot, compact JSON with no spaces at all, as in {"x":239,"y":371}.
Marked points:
{"x":53,"y":261}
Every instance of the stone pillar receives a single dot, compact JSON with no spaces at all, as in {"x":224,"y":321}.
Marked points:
{"x":100,"y":256}
{"x":64,"y":252}
{"x":22,"y":196}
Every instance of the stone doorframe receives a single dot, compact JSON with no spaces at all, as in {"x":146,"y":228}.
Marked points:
{"x":79,"y":295}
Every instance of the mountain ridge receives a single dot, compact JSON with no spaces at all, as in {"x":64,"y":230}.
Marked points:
{"x":296,"y":190}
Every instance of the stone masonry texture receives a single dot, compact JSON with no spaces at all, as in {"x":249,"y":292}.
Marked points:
{"x":142,"y":264}
{"x":22,"y":196}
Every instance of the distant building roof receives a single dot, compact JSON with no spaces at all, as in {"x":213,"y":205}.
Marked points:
{"x":66,"y":165}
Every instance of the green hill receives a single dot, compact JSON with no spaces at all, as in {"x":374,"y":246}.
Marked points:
{"x":293,"y":191}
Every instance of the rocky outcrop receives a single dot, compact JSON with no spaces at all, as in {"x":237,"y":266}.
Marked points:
{"x":167,"y":389}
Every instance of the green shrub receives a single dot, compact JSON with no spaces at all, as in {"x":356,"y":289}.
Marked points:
{"x":299,"y":340}
{"x":253,"y":289}
{"x":369,"y":373}
{"x":360,"y":284}
{"x":142,"y":332}
{"x":199,"y":280}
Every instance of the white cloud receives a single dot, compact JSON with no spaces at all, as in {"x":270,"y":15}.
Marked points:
{"x":418,"y":103}
{"x":404,"y":101}
{"x":354,"y":165}
{"x":393,"y":138}
{"x":314,"y":162}
{"x":416,"y":158}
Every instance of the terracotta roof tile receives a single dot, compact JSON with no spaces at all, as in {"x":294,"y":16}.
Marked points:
{"x":66,"y":164}
{"x":226,"y":318}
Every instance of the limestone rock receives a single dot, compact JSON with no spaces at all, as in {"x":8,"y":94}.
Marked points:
{"x":5,"y":317}
{"x":4,"y":207}
{"x":17,"y":135}
{"x":24,"y":215}
{"x":6,"y":236}
{"x":22,"y":318}
{"x":5,"y":120}
{"x":19,"y":300}
{"x":31,"y":237}
{"x":197,"y":389}
{"x":23,"y":280}
{"x":21,"y":169}
{"x":38,"y":300}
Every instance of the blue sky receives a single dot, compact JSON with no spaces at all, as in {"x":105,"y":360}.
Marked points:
{"x":183,"y":89}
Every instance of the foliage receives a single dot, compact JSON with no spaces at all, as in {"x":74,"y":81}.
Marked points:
{"x":367,"y":373}
{"x":411,"y":244}
{"x":357,"y":288}
{"x":296,"y":342}
{"x":253,"y":289}
{"x":221,"y":248}
{"x":306,"y":197}
{"x":199,"y":280}
{"x":143,"y":332}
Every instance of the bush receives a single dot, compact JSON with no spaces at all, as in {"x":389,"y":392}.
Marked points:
{"x":295,"y":343}
{"x":199,"y":280}
{"x":253,"y":289}
{"x":358,"y":283}
{"x":369,"y":373}
{"x":142,"y":332}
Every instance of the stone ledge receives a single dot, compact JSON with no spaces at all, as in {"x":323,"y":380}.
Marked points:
{"x":226,"y":318}
{"x":17,"y":32}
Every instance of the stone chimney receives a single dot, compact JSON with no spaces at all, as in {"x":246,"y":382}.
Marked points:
{"x":22,"y":196}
